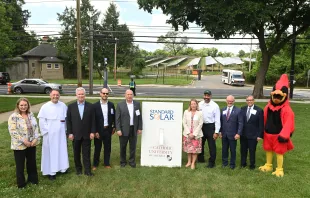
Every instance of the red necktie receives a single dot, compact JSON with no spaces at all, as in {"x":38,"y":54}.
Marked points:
{"x":228,"y":113}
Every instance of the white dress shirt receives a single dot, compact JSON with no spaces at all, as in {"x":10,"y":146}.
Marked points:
{"x":131,"y":113}
{"x":250,"y":108}
{"x":211,"y":114}
{"x":104,"y":109}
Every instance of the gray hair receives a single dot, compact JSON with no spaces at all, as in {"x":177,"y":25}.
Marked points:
{"x":250,"y":96}
{"x":80,"y":89}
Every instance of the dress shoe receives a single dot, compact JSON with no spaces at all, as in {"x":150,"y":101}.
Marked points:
{"x":108,"y":167}
{"x":78,"y":172}
{"x":210,"y":166}
{"x":52,"y":177}
{"x":123,"y":165}
{"x":89,"y":174}
{"x":66,"y":172}
{"x":252,"y":167}
{"x":133,"y":165}
{"x":232,"y":167}
{"x":224,"y":166}
{"x":94,"y":168}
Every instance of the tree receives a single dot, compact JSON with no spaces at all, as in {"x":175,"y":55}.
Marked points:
{"x":67,"y":44}
{"x":241,"y":53}
{"x":222,"y":19}
{"x":139,"y":64}
{"x":172,"y":43}
{"x":14,"y":40}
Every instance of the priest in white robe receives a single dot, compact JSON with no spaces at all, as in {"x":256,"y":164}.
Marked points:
{"x":52,"y":120}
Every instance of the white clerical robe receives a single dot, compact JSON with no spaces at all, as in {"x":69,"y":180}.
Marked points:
{"x":53,"y":129}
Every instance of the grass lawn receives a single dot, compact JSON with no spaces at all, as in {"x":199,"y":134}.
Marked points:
{"x":8,"y":104}
{"x":171,"y":182}
{"x":180,"y":80}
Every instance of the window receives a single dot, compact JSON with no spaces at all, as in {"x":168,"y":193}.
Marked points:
{"x":225,"y":74}
{"x":33,"y":65}
{"x":49,"y":66}
{"x":56,"y":66}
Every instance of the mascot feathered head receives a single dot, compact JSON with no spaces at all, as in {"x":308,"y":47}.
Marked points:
{"x":279,"y":94}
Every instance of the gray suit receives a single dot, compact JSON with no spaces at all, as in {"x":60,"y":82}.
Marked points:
{"x":129,"y":133}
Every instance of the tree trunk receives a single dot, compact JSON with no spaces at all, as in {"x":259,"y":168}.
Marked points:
{"x":260,"y":76}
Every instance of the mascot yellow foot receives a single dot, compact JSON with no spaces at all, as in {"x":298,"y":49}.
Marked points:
{"x":266,"y":168}
{"x":279,"y":172}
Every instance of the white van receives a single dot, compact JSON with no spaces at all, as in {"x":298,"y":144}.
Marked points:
{"x":233,"y":77}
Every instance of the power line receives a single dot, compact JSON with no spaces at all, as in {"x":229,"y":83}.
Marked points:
{"x":57,"y":1}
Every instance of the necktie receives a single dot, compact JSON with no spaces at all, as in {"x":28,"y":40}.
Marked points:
{"x":248,"y":114}
{"x":228,"y":113}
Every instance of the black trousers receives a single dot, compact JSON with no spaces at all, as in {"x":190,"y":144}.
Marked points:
{"x":123,"y":140}
{"x":245,"y":146}
{"x":231,"y":145}
{"x":83,"y":145}
{"x":106,"y":141}
{"x":208,"y":131}
{"x":28,"y":155}
{"x":133,"y":90}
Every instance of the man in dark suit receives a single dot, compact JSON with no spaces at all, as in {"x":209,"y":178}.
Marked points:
{"x":81,"y":129}
{"x":231,"y":129}
{"x":253,"y":129}
{"x":128,"y":126}
{"x":105,"y":128}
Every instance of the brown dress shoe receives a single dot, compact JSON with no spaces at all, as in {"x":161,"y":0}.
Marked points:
{"x":94,"y":168}
{"x":108,"y":167}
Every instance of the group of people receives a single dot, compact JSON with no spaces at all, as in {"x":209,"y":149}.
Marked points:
{"x":81,"y":122}
{"x":205,"y":121}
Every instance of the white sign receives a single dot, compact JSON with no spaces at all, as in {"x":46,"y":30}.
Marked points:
{"x":161,"y":143}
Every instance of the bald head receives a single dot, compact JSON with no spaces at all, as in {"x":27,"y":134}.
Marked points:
{"x":104,"y":94}
{"x":230,"y":100}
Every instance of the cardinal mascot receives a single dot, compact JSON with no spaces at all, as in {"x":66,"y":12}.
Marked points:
{"x":278,"y":126}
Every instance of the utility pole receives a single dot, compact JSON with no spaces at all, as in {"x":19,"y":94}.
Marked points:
{"x":105,"y":73}
{"x":91,"y":55}
{"x":78,"y":44}
{"x":115,"y":52}
{"x":293,"y":56}
{"x":250,"y":63}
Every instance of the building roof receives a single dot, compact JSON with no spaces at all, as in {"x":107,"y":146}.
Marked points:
{"x":51,"y":59}
{"x":42,"y":50}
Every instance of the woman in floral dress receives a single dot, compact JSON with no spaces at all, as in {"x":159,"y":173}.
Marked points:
{"x":192,"y":124}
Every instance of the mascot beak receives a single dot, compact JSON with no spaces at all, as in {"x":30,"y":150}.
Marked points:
{"x":277,"y":96}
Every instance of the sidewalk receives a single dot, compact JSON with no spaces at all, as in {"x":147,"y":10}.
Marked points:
{"x":34,"y":109}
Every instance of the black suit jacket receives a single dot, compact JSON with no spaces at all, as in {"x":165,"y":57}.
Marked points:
{"x":255,"y":126}
{"x":80,"y":127}
{"x":99,"y":119}
{"x":123,"y":117}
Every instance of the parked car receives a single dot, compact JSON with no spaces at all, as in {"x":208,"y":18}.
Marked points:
{"x":4,"y":77}
{"x":34,"y":85}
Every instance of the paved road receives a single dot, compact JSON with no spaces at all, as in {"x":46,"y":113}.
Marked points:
{"x":213,"y":83}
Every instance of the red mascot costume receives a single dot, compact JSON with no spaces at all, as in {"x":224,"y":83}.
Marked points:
{"x":279,"y":126}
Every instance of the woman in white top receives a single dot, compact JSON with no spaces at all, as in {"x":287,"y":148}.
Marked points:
{"x":192,"y":124}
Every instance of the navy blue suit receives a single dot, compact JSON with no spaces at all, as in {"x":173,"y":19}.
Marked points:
{"x":229,"y":128}
{"x":104,"y":133}
{"x":252,"y":129}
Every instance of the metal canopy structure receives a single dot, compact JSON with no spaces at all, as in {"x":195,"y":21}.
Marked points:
{"x":193,"y":62}
{"x":176,"y":62}
{"x":158,"y":62}
{"x":210,"y":61}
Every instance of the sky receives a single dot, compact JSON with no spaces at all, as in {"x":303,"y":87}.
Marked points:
{"x":139,"y":21}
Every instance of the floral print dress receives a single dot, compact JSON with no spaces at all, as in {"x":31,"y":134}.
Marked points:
{"x":192,"y":145}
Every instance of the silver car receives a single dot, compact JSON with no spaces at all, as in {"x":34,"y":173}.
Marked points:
{"x":34,"y":85}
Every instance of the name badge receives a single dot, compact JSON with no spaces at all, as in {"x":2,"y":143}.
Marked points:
{"x":195,"y":117}
{"x":137,"y":112}
{"x":225,"y":112}
{"x":112,"y":112}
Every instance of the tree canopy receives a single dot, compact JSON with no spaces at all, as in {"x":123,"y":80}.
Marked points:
{"x":269,"y":20}
{"x":172,"y":43}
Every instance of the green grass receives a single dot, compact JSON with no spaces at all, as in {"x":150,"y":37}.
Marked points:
{"x":171,"y":182}
{"x":180,"y":80}
{"x":9,"y":104}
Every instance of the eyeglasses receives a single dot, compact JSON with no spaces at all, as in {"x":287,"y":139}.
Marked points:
{"x":105,"y":93}
{"x":249,"y":100}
